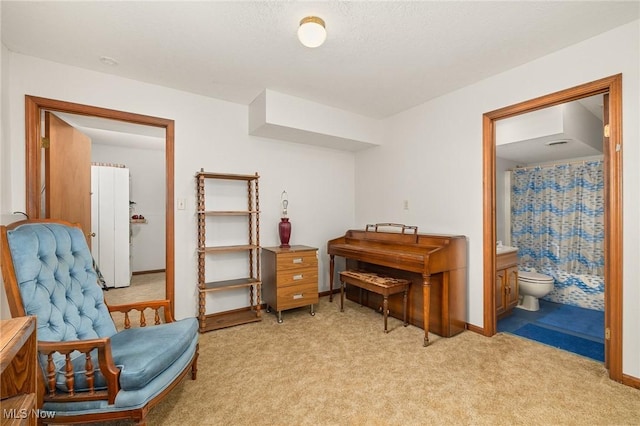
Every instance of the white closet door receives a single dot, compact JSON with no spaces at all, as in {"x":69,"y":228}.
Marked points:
{"x":95,"y":213}
{"x":110,"y":222}
{"x":122,"y":275}
{"x":107,"y":247}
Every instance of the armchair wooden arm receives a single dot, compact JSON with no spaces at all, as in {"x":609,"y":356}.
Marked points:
{"x":105,"y":360}
{"x":156,"y":305}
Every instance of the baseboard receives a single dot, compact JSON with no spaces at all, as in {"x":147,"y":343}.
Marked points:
{"x":634,"y":382}
{"x":327,"y":293}
{"x":229,"y":318}
{"x":152,"y":271}
{"x":475,"y":329}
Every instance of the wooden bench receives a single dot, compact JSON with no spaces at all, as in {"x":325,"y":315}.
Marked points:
{"x":385,"y":286}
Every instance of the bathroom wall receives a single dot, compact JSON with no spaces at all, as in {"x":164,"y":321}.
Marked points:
{"x":503,"y":200}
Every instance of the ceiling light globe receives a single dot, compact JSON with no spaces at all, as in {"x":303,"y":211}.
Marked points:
{"x":312,"y":32}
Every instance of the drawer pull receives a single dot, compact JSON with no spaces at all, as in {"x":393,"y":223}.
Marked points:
{"x":297,"y":277}
{"x":298,"y":296}
{"x":297,"y":260}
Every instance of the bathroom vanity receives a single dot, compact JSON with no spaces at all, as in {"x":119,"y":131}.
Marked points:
{"x":506,"y":280}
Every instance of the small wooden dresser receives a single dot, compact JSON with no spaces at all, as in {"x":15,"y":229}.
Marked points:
{"x":289,"y":278}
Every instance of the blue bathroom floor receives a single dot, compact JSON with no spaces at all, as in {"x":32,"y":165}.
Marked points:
{"x":566,"y":327}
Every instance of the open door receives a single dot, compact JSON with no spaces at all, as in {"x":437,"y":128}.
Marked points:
{"x":67,"y":156}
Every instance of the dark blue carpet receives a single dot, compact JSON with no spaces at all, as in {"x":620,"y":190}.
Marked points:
{"x":590,"y":323}
{"x":578,"y":345}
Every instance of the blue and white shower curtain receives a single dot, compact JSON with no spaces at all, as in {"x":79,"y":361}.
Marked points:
{"x":557,"y":223}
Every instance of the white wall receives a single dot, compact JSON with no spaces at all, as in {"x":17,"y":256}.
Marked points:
{"x":503,"y":200}
{"x":5,"y":181}
{"x":147,"y":189}
{"x":209,"y":134}
{"x":432,"y":157}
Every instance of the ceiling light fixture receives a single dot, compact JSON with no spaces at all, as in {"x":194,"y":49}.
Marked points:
{"x":312,"y":32}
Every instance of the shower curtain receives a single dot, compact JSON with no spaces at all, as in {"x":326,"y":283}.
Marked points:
{"x":557,"y":222}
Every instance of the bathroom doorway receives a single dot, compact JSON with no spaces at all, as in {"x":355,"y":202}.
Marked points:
{"x":549,"y":198}
{"x":612,"y":153}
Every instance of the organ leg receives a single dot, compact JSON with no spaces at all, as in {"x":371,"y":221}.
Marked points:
{"x":426,"y":303}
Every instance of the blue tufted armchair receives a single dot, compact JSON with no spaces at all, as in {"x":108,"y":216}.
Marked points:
{"x":89,"y":370}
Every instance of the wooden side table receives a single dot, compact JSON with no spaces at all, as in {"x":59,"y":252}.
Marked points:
{"x":18,"y":361}
{"x":289,"y":278}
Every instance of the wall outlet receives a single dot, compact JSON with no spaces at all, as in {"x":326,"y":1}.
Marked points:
{"x":181,"y":204}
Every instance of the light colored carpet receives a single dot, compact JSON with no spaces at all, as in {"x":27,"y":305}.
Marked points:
{"x":143,"y":287}
{"x":341,"y":369}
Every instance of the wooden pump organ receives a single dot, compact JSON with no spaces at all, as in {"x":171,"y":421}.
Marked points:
{"x":435,"y":264}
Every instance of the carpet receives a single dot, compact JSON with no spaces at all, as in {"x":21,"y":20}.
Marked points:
{"x":568,"y":342}
{"x":588,"y":322}
{"x":340,"y":369}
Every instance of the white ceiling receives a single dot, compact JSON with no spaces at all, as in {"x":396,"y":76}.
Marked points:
{"x":380,"y":58}
{"x":117,"y":133}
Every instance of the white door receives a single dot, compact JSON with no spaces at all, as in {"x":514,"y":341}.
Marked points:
{"x":95,"y":215}
{"x":121,"y":227}
{"x":110,"y":216}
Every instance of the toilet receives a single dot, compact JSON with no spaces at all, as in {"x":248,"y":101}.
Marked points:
{"x":533,"y":286}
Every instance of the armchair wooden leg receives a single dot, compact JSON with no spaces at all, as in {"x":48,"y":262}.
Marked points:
{"x":194,"y":364}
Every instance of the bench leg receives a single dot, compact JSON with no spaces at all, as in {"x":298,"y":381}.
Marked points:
{"x":341,"y":296}
{"x":331,"y":269}
{"x":385,"y":309}
{"x":404,"y":308}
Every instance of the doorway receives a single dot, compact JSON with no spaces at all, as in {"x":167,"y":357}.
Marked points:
{"x":127,"y":199}
{"x":35,"y":106}
{"x":613,"y":207}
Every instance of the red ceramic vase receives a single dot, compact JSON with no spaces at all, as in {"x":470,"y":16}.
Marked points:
{"x":284,"y":230}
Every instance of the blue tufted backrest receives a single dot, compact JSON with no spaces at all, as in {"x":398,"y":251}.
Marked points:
{"x":58,"y":282}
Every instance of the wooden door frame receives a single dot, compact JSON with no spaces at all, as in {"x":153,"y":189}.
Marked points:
{"x":33,"y":109}
{"x":613,"y":207}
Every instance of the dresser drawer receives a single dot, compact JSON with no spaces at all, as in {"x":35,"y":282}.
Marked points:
{"x":297,"y":260}
{"x":297,"y":295}
{"x":299,"y":276}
